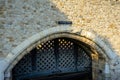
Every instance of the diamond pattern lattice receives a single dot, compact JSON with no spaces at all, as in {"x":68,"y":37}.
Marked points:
{"x":45,"y":57}
{"x":66,"y":56}
{"x":56,"y":56}
{"x":83,"y":62}
{"x":23,"y":66}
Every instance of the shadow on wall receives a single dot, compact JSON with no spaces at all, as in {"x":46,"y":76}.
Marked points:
{"x":26,"y":18}
{"x":38,"y":12}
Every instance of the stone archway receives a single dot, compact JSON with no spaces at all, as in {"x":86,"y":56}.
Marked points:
{"x":96,"y":45}
{"x":60,"y":58}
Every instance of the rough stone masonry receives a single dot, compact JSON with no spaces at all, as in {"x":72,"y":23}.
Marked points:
{"x":20,"y":19}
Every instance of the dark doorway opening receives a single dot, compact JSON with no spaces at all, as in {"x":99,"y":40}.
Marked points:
{"x":69,"y":76}
{"x":57,"y":59}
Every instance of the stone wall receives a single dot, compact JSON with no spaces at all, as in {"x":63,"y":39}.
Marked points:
{"x":24,"y":18}
{"x":21,"y":19}
{"x":2,"y":22}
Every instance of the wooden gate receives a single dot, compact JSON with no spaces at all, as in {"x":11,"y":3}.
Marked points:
{"x":60,"y":59}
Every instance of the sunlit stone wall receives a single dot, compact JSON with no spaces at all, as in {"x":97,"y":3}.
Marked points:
{"x":20,"y":19}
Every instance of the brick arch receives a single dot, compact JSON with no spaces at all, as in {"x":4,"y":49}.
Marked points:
{"x":86,"y":37}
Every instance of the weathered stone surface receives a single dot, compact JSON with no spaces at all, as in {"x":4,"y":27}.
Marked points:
{"x":21,"y":19}
{"x":27,"y":17}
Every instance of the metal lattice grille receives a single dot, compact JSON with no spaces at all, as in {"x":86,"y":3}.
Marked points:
{"x":52,"y":57}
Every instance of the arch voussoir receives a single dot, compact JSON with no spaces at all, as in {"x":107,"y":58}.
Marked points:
{"x":17,"y":53}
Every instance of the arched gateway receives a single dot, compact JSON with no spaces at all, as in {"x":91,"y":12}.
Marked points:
{"x":60,"y":58}
{"x":62,"y":52}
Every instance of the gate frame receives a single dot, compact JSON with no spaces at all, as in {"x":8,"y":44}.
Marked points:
{"x":90,"y":38}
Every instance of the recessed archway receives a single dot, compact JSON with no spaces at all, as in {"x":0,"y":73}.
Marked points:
{"x":93,"y":44}
{"x":59,"y":58}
